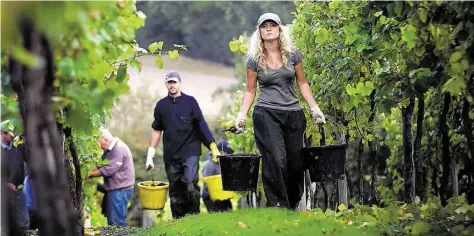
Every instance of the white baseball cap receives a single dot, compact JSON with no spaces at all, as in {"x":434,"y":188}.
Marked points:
{"x":268,"y":16}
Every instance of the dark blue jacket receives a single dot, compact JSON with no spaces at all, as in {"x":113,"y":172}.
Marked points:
{"x":183,"y":126}
{"x":13,"y":163}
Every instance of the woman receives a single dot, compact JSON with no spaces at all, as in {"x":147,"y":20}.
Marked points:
{"x":279,"y":120}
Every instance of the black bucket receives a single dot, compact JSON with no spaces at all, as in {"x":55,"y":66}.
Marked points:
{"x":239,"y":171}
{"x":325,"y":163}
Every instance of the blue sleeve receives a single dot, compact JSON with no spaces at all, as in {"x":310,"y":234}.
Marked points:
{"x":157,"y":122}
{"x":210,"y":168}
{"x":207,"y":136}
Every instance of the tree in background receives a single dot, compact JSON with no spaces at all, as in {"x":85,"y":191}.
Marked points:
{"x":205,"y":27}
{"x":376,"y":65}
{"x":64,"y":65}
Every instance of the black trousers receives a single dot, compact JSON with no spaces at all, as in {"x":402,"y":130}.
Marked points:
{"x":279,"y":138}
{"x":184,"y":190}
{"x":217,"y":206}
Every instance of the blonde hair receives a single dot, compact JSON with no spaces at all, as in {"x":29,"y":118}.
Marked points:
{"x":257,"y":51}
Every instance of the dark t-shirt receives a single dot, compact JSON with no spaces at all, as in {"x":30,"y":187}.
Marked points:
{"x":277,"y":87}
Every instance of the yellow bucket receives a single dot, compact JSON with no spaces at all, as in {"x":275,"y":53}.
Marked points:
{"x":153,"y":194}
{"x":214,"y":187}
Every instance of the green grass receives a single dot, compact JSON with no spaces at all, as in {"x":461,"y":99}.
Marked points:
{"x":260,"y":221}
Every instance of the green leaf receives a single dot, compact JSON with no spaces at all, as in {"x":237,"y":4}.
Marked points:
{"x":66,"y":67}
{"x":323,"y":36}
{"x":455,"y":57}
{"x":377,"y":14}
{"x":360,"y":47}
{"x":159,"y":61}
{"x":360,"y":88}
{"x":454,"y":85}
{"x":79,"y":119}
{"x":350,"y":39}
{"x":383,"y":20}
{"x":23,"y":56}
{"x":356,"y":100}
{"x":458,"y":200}
{"x":433,"y":30}
{"x":243,"y":49}
{"x":420,"y":51}
{"x":234,"y":45}
{"x":122,"y":72}
{"x":173,"y":55}
{"x":463,"y":209}
{"x":371,"y":221}
{"x":370,"y":85}
{"x":464,"y":64}
{"x":456,"y":68}
{"x":105,"y":162}
{"x":241,"y":39}
{"x":155,"y":46}
{"x":420,"y":227}
{"x":423,"y":16}
{"x":347,"y":106}
{"x":136,"y":64}
{"x":420,"y":73}
{"x":409,"y":35}
{"x":457,"y":230}
{"x":350,"y":90}
{"x":365,"y":89}
{"x":417,"y":200}
{"x":341,"y":207}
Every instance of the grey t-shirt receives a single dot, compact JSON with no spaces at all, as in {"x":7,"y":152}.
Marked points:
{"x":277,"y":87}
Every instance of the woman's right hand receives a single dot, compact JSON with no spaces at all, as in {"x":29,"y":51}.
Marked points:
{"x":240,"y":120}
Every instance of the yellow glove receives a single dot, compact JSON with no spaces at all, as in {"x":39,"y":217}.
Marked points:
{"x":215,"y":152}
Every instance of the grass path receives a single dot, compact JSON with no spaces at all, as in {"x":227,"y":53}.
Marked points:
{"x":260,"y":221}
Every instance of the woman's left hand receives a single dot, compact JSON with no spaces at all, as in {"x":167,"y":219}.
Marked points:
{"x":317,"y":114}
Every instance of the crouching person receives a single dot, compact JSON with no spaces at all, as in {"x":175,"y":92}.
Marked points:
{"x":212,"y":168}
{"x":119,"y":177}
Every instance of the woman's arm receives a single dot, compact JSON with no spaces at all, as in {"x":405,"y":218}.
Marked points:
{"x":304,"y":86}
{"x":247,"y":100}
{"x":316,"y":113}
{"x":249,"y":94}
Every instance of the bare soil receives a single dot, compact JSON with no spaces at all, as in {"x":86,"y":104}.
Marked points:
{"x":199,"y":79}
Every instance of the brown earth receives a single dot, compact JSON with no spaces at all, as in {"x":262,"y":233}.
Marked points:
{"x":199,"y":79}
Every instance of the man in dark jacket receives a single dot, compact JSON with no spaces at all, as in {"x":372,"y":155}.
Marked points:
{"x":212,"y":168}
{"x":179,"y":117}
{"x":13,"y":175}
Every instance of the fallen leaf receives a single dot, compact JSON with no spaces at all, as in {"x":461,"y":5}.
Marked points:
{"x":242,"y":224}
{"x":341,"y":207}
{"x":89,"y":232}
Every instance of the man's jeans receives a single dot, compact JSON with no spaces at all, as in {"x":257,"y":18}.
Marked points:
{"x":184,"y":190}
{"x":117,"y":201}
{"x":23,"y":213}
